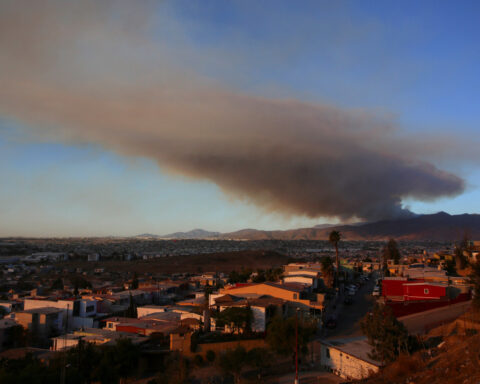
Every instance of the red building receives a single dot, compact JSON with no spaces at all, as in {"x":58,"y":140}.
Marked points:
{"x":393,"y":287}
{"x":406,"y":297}
{"x":424,"y":291}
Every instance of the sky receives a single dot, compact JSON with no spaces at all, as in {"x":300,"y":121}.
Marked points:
{"x":121,"y":118}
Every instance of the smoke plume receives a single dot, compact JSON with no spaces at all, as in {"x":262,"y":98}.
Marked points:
{"x":101,"y":72}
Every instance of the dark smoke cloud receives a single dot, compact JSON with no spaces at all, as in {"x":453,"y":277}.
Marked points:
{"x":87,"y":72}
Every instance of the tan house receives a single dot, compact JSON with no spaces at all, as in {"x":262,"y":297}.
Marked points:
{"x":294,"y":293}
{"x":43,"y":321}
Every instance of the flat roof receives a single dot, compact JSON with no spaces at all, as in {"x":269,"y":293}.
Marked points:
{"x":43,"y":310}
{"x":357,"y":347}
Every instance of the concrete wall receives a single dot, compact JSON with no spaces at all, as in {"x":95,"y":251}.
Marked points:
{"x":182,"y":343}
{"x":424,"y":321}
{"x":145,"y":311}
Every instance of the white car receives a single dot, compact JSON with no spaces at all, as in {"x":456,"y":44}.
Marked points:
{"x":376,"y":291}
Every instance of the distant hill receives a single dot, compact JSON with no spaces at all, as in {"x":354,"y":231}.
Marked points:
{"x":439,"y":226}
{"x":193,"y":234}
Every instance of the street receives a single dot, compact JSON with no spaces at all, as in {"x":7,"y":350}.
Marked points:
{"x":309,"y":377}
{"x":349,"y":316}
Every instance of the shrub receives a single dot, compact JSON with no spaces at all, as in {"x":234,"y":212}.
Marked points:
{"x":198,"y":360}
{"x":210,"y":355}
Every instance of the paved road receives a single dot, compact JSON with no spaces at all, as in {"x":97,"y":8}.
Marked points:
{"x":310,"y":377}
{"x":349,"y":316}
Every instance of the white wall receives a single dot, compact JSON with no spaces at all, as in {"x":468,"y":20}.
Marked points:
{"x":344,"y":365}
{"x":144,"y":311}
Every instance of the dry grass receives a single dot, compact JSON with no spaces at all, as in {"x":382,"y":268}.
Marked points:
{"x":457,"y":361}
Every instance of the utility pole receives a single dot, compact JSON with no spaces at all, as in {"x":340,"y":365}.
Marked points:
{"x":296,"y":347}
{"x":63,"y":375}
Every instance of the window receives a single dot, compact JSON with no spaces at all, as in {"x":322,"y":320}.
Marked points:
{"x":295,"y":296}
{"x":327,"y":352}
{"x":90,"y":308}
{"x":426,"y":291}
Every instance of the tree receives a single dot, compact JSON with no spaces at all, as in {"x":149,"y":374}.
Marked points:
{"x":135,"y":281}
{"x":274,"y":274}
{"x":460,"y":259}
{"x":237,"y":318}
{"x":80,"y":282}
{"x":259,"y":277}
{"x":15,"y":337}
{"x":281,"y":334}
{"x":126,"y":357}
{"x":334,"y":239}
{"x":387,"y":336}
{"x":132,"y":308}
{"x":464,"y":245}
{"x":260,"y":359}
{"x":210,"y":356}
{"x":239,"y":277}
{"x":450,"y":267}
{"x":176,"y":370}
{"x":391,"y":252}
{"x":57,"y":284}
{"x":233,"y":361}
{"x":327,"y":271}
{"x":475,"y":281}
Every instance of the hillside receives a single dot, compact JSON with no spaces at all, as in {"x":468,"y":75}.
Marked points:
{"x":453,"y":358}
{"x":193,"y":234}
{"x":439,"y":226}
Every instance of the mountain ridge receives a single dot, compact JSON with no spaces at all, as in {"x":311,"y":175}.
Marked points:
{"x":437,"y":226}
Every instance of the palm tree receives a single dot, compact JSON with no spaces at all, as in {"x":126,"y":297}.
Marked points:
{"x":334,"y":238}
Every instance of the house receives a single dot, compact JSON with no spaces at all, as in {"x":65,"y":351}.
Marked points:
{"x":149,"y":309}
{"x":11,"y":305}
{"x":296,"y":267}
{"x":42,"y":321}
{"x":5,"y":338}
{"x":43,"y":355}
{"x":93,"y":336}
{"x":296,"y":294}
{"x":403,"y":289}
{"x":165,"y":324}
{"x":78,"y":312}
{"x":406,"y":297}
{"x":308,"y":280}
{"x":424,"y":291}
{"x":93,"y":257}
{"x":348,"y":358}
{"x":263,"y":309}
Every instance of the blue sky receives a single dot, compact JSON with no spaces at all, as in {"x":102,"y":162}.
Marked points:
{"x":416,"y":62}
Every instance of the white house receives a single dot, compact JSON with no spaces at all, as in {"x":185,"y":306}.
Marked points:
{"x":81,"y":312}
{"x":348,"y":358}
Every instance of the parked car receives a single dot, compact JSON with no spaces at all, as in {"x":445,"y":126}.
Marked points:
{"x":331,"y":322}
